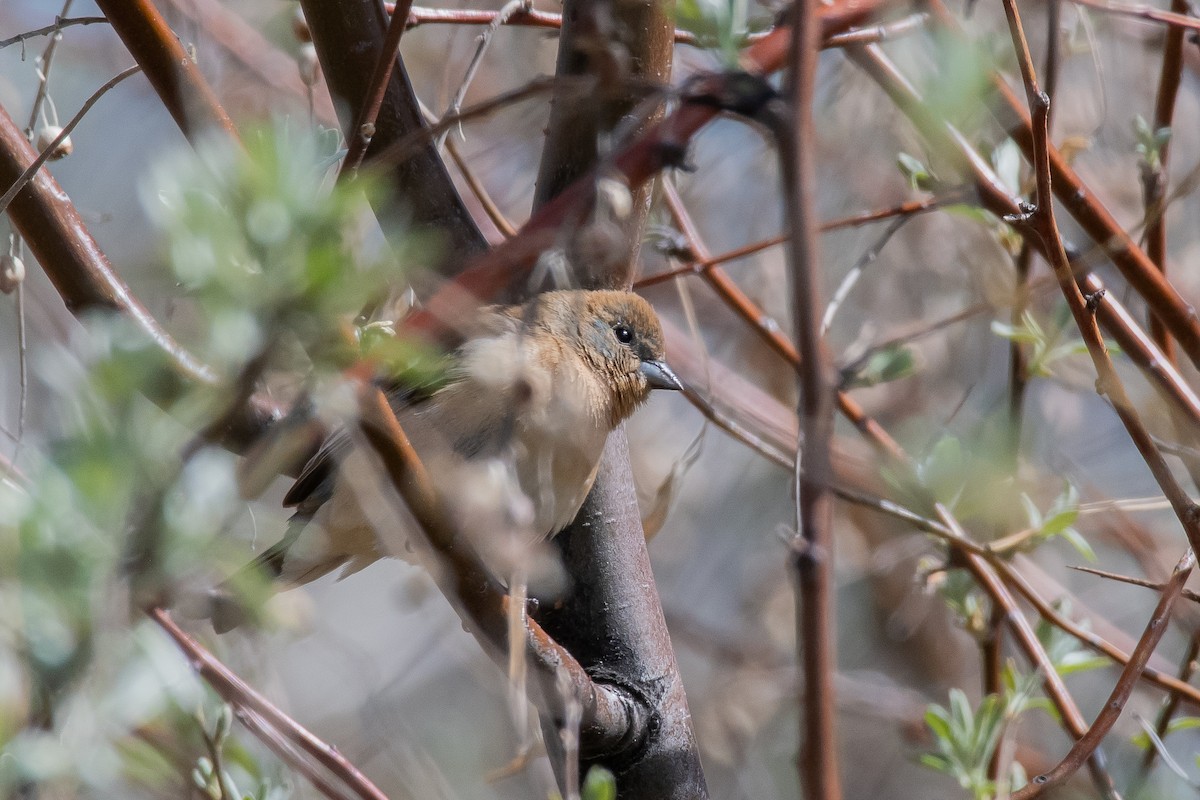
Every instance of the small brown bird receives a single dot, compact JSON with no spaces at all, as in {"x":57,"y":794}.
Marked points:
{"x":512,"y":439}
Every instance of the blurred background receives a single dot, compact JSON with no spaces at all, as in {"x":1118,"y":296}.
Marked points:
{"x":379,"y":664}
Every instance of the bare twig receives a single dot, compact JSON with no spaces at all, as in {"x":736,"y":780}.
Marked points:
{"x":364,"y":124}
{"x":1147,"y":13}
{"x":50,"y":149}
{"x":59,"y":24}
{"x":509,"y":9}
{"x":1132,"y":581}
{"x":1111,"y":710}
{"x":244,"y":698}
{"x":879,"y":33}
{"x":812,"y":544}
{"x":856,"y":272}
{"x":1187,"y":668}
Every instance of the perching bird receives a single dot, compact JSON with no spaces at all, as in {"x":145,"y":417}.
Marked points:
{"x":512,"y":439}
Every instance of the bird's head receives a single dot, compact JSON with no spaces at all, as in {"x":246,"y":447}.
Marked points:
{"x":618,"y":336}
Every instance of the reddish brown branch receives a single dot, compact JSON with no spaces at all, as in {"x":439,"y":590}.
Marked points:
{"x":176,"y":78}
{"x":68,"y":253}
{"x":245,"y":700}
{"x":1111,"y":710}
{"x":1164,"y":301}
{"x":812,"y":545}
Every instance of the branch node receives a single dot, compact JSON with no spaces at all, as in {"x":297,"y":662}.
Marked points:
{"x":1024,"y":216}
{"x":1092,"y":299}
{"x":1040,"y":104}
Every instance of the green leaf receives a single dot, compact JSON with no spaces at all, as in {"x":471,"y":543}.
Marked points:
{"x":600,"y":784}
{"x":1142,"y":739}
{"x":916,"y":173}
{"x":1076,"y":540}
{"x":938,"y":722}
{"x":889,"y":364}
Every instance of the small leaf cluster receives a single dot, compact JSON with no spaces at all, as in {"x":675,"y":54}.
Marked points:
{"x":720,"y":25}
{"x":965,"y":740}
{"x":1150,"y":143}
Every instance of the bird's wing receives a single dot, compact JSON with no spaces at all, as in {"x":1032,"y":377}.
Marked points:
{"x":315,"y":481}
{"x":314,"y":485}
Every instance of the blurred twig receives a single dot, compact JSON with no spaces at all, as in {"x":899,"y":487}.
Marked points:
{"x":51,"y":148}
{"x":1187,"y":668}
{"x":1154,"y":175}
{"x":1112,"y":708}
{"x":1148,"y":13}
{"x":812,"y":544}
{"x":171,"y":70}
{"x":246,"y":700}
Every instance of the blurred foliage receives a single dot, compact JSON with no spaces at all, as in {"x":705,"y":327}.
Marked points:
{"x":720,"y":25}
{"x":122,"y":506}
{"x":598,"y":784}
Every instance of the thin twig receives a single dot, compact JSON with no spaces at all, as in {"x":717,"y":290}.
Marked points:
{"x":1132,"y":581}
{"x":484,"y":40}
{"x":1154,"y":177}
{"x":45,"y":155}
{"x":1146,"y":13}
{"x":1111,"y":710}
{"x":884,"y":32}
{"x":908,"y":208}
{"x":47,"y":62}
{"x":364,"y":123}
{"x":1187,"y":668}
{"x":60,"y":23}
{"x":243,"y":697}
{"x":856,"y":272}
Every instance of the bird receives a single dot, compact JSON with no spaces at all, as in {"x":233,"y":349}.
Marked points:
{"x":512,"y":438}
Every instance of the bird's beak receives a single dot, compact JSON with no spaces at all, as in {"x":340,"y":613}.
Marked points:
{"x":659,"y":376}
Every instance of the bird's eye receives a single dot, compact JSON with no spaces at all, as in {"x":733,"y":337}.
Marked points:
{"x":623,"y":333}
